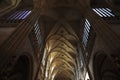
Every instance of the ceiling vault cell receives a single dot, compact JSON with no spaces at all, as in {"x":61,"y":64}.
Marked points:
{"x":62,"y":52}
{"x":61,"y":38}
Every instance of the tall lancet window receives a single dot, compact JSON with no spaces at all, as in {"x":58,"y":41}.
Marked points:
{"x":37,"y":33}
{"x":19,"y":15}
{"x":35,"y":38}
{"x":104,"y":12}
{"x":86,"y":32}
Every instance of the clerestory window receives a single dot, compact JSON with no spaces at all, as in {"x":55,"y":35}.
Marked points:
{"x":104,"y":12}
{"x":86,"y":32}
{"x":19,"y":15}
{"x":37,"y":32}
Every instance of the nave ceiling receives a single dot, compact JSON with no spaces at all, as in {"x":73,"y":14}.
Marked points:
{"x":60,"y":23}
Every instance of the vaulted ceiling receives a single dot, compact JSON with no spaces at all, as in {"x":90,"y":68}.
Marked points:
{"x":60,"y":23}
{"x":61,"y":52}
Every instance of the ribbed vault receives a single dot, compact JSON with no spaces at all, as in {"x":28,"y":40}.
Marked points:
{"x":61,"y":53}
{"x":60,"y":24}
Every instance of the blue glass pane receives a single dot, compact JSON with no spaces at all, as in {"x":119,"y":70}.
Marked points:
{"x":86,"y":32}
{"x":103,"y":12}
{"x":18,"y":15}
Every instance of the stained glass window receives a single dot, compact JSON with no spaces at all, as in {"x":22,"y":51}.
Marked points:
{"x":104,"y":12}
{"x":37,"y":32}
{"x":86,"y":32}
{"x":19,"y":15}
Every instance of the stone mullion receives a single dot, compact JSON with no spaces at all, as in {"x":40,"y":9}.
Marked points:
{"x":103,"y":29}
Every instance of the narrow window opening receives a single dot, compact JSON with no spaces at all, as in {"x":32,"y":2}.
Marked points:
{"x":86,"y":32}
{"x":104,"y":12}
{"x":19,"y":15}
{"x":37,"y":32}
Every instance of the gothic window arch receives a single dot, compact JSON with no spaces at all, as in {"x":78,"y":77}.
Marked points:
{"x":21,"y":69}
{"x":104,"y":67}
{"x":18,"y":68}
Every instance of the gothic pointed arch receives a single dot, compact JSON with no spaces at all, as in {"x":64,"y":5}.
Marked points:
{"x":104,"y":67}
{"x":19,"y":67}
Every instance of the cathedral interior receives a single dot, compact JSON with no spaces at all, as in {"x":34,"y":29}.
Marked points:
{"x":59,"y":39}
